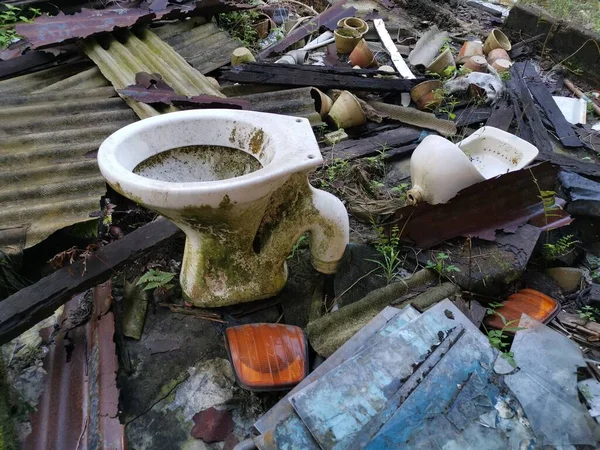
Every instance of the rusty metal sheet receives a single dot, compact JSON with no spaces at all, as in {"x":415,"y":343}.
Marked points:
{"x":50,"y":177}
{"x":79,"y":406}
{"x":502,"y":203}
{"x":151,"y":89}
{"x":48,"y":30}
{"x":328,"y":19}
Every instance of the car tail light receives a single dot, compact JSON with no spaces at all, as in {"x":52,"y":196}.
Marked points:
{"x":536,"y":305}
{"x":267,"y":356}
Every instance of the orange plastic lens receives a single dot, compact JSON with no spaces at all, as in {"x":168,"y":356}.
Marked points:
{"x":267,"y":356}
{"x":536,"y":305}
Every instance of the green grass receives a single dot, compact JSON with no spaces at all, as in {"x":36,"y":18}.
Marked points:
{"x":585,"y":12}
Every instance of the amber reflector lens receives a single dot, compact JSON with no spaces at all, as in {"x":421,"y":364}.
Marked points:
{"x":267,"y":356}
{"x":533,"y":303}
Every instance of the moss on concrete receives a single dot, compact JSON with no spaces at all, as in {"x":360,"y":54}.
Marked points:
{"x":330,"y":332}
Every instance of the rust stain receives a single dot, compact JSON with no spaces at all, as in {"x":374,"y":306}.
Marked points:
{"x":79,"y":406}
{"x":48,"y":30}
{"x":502,"y":203}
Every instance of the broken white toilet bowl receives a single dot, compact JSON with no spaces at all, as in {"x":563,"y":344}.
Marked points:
{"x":236,"y":182}
{"x":495,"y":152}
{"x":439,"y":169}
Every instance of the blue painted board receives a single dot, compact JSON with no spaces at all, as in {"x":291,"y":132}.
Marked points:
{"x":343,"y":401}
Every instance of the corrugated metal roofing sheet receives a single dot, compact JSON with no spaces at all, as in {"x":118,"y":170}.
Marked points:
{"x":205,"y":47}
{"x":79,"y":406}
{"x":48,"y":143}
{"x":120,"y":58}
{"x":289,"y":102}
{"x":38,"y":80}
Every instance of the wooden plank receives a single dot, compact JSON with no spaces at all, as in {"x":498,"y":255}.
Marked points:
{"x":30,"y":305}
{"x":316,"y":76}
{"x":359,"y":148}
{"x":471,"y":115}
{"x":534,"y":131}
{"x":502,"y":115}
{"x":564,"y":130}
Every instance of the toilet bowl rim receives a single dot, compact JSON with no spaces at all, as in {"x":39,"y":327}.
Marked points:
{"x":285,"y":161}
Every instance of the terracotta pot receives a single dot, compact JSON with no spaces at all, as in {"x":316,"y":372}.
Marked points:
{"x":536,"y":305}
{"x":354,"y":23}
{"x":425,"y":96}
{"x":469,"y":48}
{"x":497,"y":53}
{"x":346,"y":112}
{"x":501,"y":65}
{"x":262,"y":27}
{"x":475,"y":91}
{"x":476,"y":64}
{"x":345,"y":40}
{"x":323,"y":101}
{"x":496,"y":39}
{"x":389,"y":71}
{"x":442,"y":62}
{"x":362,"y":55}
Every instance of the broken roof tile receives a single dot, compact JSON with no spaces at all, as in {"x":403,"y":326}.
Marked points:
{"x":48,"y":179}
{"x":120,"y":60}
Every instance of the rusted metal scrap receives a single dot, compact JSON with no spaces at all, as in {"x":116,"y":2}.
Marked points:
{"x":502,"y":203}
{"x":150,"y":88}
{"x":49,"y":30}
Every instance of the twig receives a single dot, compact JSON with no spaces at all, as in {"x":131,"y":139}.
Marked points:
{"x":310,"y":8}
{"x":353,"y":284}
{"x":214,"y":317}
{"x":569,"y":84}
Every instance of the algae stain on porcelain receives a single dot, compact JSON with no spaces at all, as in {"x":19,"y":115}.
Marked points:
{"x":198,"y":163}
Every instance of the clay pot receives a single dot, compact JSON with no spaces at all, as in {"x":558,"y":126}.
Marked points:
{"x":442,"y":62}
{"x":241,"y":55}
{"x":262,"y":26}
{"x":497,"y":53}
{"x":323,"y":101}
{"x":354,"y":23}
{"x":501,"y":65}
{"x":362,"y":55}
{"x":568,"y":278}
{"x":425,"y":96}
{"x":476,"y":64}
{"x":388,"y":70}
{"x":496,"y":39}
{"x":345,"y":40}
{"x":476,"y":92}
{"x":469,"y":48}
{"x":346,"y":112}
